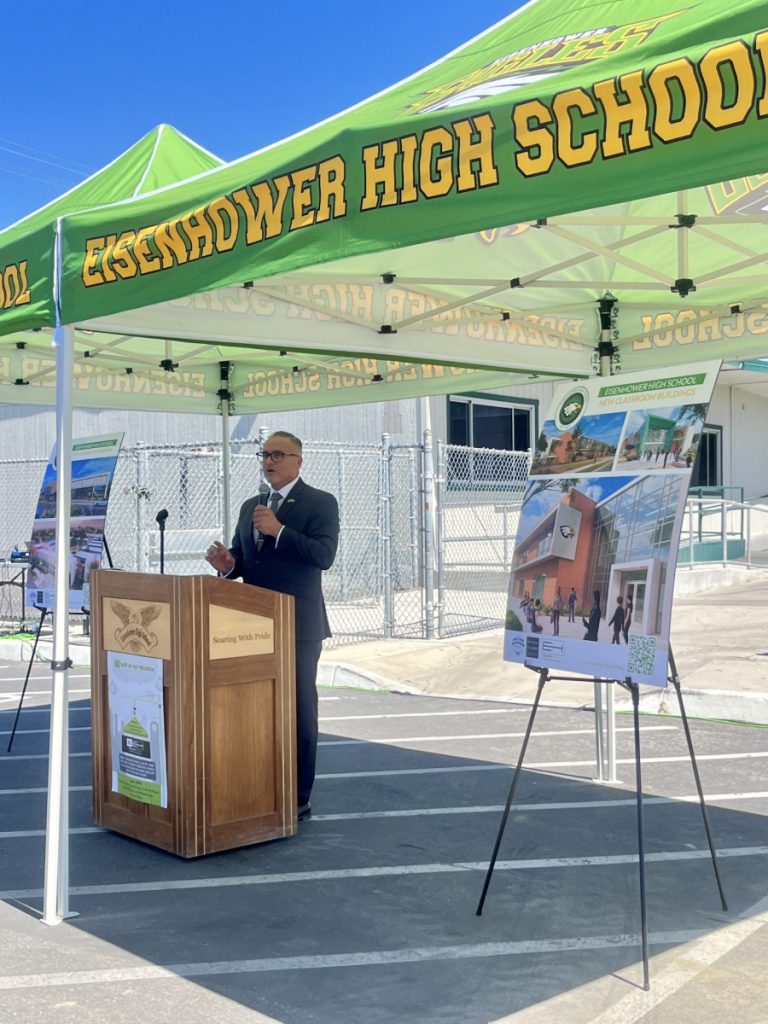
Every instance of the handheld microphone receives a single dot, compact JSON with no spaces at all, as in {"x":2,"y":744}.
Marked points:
{"x":161,"y":516}
{"x":264,"y":490}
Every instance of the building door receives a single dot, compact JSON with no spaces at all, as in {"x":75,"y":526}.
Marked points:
{"x":708,"y":468}
{"x":634,"y":590}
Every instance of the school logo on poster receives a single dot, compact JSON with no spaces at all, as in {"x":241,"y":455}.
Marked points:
{"x":571,"y":407}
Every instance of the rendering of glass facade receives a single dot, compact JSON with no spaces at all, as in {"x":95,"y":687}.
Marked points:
{"x":635,"y":525}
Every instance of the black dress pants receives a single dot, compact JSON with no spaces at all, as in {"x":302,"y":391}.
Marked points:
{"x":307,"y":657}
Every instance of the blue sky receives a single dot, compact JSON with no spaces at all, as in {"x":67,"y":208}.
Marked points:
{"x":82,"y":83}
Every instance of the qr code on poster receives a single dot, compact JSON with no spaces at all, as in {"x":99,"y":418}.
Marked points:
{"x":642,"y":655}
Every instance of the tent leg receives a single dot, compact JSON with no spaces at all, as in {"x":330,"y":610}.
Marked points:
{"x":56,"y":876}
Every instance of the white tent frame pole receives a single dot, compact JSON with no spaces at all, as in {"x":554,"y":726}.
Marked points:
{"x":226,"y":510}
{"x":607,"y":767}
{"x":56,"y":871}
{"x":225,"y":397}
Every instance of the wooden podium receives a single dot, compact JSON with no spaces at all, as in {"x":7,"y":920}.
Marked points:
{"x":227,"y":653}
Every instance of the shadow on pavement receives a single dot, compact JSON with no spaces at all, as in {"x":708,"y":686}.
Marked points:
{"x":369,"y":913}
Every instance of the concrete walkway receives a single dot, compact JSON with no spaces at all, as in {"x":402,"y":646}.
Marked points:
{"x":719,"y":640}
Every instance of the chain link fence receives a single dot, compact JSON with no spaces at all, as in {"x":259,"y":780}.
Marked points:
{"x":479,"y":495}
{"x":420,"y":553}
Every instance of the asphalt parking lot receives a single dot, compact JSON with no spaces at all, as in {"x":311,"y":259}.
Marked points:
{"x":368,"y":915}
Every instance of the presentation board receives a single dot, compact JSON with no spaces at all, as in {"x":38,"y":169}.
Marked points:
{"x":93,"y":467}
{"x":594,"y":564}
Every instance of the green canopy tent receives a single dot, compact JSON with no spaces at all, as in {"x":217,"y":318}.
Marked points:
{"x":579,"y":189}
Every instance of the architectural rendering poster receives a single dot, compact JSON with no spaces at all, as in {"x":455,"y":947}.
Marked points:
{"x":137,"y":733}
{"x":594,"y":564}
{"x":93,"y":466}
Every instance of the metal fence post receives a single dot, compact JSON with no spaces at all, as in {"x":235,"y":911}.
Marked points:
{"x":341,"y":555}
{"x":415,"y":508}
{"x":386,"y":512}
{"x":142,"y":497}
{"x":439,"y":541}
{"x":724,"y":527}
{"x":429,"y":537}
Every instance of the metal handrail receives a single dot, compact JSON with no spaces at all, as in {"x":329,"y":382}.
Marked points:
{"x":703,"y":506}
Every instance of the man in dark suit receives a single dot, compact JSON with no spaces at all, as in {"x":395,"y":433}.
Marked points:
{"x":283,"y":542}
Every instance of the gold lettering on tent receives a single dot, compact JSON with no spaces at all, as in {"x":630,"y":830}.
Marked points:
{"x":672,"y":102}
{"x":458,"y":157}
{"x":701,"y":327}
{"x":14,"y":287}
{"x":252,"y":214}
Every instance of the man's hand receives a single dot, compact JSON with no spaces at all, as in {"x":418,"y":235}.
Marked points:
{"x":266,"y":522}
{"x":220,"y":558}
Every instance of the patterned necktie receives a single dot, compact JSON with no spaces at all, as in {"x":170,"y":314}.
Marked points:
{"x":274,"y":504}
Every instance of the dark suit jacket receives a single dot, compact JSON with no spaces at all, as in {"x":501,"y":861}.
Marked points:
{"x":307,"y":546}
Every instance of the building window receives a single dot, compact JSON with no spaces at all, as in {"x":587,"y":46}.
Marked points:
{"x":502,"y":423}
{"x":499,"y":424}
{"x":708,"y":471}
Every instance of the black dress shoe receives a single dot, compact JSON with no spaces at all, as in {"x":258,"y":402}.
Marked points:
{"x":304,"y":811}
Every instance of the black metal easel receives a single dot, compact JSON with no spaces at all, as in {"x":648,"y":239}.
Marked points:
{"x":634,"y":691}
{"x":43,"y":613}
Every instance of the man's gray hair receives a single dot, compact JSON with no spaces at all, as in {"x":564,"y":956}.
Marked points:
{"x":289,"y":437}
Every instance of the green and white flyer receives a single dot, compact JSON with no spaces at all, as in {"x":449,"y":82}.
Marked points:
{"x":139,"y":766}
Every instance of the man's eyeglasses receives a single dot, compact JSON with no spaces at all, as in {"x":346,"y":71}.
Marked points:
{"x":277,"y":456}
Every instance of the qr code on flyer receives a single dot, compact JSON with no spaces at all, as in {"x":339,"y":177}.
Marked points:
{"x":642,"y":655}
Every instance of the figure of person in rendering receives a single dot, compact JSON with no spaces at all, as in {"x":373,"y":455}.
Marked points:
{"x":283,"y":542}
{"x":617,"y":620}
{"x":557,"y":607}
{"x":572,"y":605}
{"x":593,"y":623}
{"x":628,"y":607}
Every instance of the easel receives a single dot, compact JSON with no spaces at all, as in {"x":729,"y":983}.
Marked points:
{"x":634,"y":690}
{"x":19,"y":581}
{"x":43,"y":613}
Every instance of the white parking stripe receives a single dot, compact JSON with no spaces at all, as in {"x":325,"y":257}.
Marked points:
{"x":20,"y":679}
{"x":467,"y":767}
{"x":430,"y":714}
{"x":42,"y":789}
{"x":36,"y":732}
{"x":409,"y":739}
{"x":389,"y":871}
{"x":39,"y":693}
{"x":422,"y":812}
{"x":36,"y":833}
{"x":535,"y":765}
{"x":523,"y":808}
{"x":418,"y":954}
{"x":41,"y":711}
{"x":687,"y":965}
{"x":482,"y":736}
